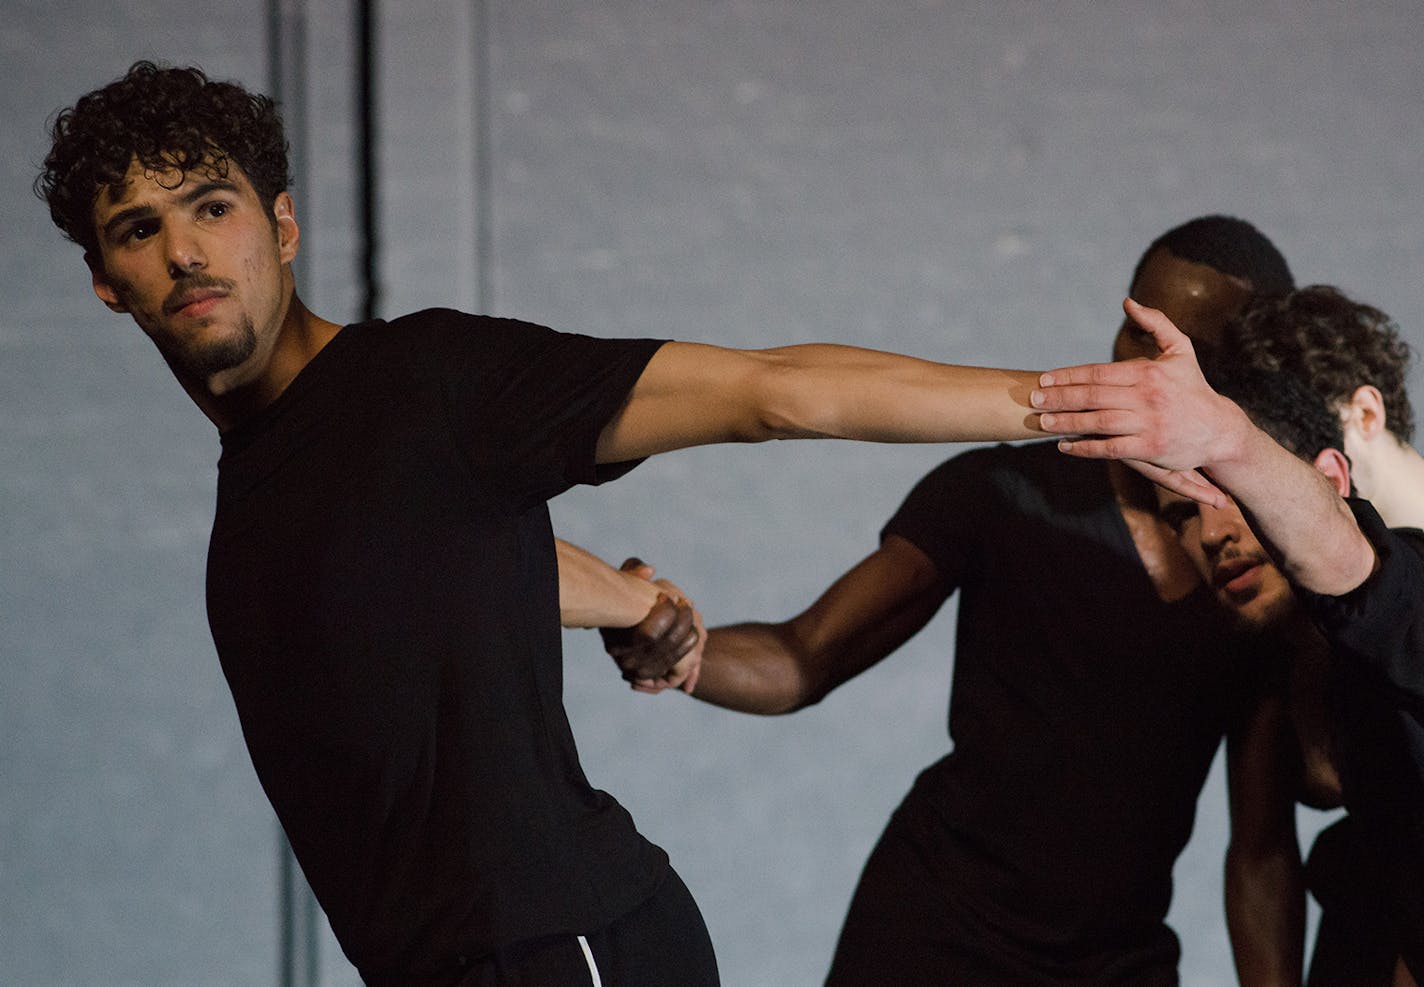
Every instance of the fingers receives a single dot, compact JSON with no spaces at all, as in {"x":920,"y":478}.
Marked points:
{"x":1108,"y":374}
{"x":1117,"y":447}
{"x":1091,"y":423}
{"x":1188,"y":483}
{"x":653,"y":646}
{"x":663,"y":619}
{"x":1169,"y":338}
{"x":695,"y":655}
{"x":638,"y":567}
{"x":670,"y":588}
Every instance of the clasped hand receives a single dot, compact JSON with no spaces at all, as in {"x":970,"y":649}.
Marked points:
{"x":664,"y":649}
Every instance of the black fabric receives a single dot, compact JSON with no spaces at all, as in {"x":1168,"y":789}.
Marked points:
{"x":383,"y":593}
{"x":663,"y":942}
{"x":1355,"y":940}
{"x":1376,"y":634}
{"x":1085,"y":713}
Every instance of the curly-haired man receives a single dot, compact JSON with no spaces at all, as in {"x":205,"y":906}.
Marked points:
{"x":382,"y":581}
{"x":1352,"y":354}
{"x":1357,"y":675}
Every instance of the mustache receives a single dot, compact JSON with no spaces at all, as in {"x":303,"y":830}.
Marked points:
{"x":190,"y":283}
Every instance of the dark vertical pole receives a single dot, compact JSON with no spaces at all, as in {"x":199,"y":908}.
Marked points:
{"x":299,"y":959}
{"x":366,"y":138}
{"x":484,"y":191}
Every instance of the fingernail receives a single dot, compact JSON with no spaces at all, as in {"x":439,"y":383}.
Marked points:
{"x":1045,"y":380}
{"x":1035,"y":398}
{"x":1045,"y":421}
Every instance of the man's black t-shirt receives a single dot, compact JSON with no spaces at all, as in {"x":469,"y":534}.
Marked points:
{"x":1376,"y":636}
{"x":1085,"y":713}
{"x":383,"y":594}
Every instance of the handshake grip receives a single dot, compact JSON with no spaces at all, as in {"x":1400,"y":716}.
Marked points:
{"x":663,"y":650}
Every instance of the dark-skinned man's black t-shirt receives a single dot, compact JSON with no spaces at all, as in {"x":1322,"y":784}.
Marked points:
{"x":1085,"y":713}
{"x":383,"y":594}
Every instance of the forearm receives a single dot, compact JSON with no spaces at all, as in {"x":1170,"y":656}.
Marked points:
{"x":826,"y":391}
{"x":594,"y":594}
{"x":1295,"y":509}
{"x":692,"y":394}
{"x":1265,"y":916}
{"x":753,"y":668}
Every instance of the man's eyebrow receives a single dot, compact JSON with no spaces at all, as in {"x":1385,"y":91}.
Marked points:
{"x":187,"y":199}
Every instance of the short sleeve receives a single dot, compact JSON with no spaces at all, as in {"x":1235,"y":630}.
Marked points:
{"x":528,"y":403}
{"x":943,"y":515}
{"x":1379,"y":625}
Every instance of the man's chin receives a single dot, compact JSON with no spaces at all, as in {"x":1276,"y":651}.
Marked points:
{"x":222,"y":366}
{"x":1260,"y":615}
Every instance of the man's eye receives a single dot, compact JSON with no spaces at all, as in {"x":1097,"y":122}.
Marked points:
{"x":1177,"y":517}
{"x":216,"y":209}
{"x":140,"y":231}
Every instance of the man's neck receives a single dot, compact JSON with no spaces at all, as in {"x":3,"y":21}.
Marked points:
{"x":301,"y":337}
{"x":1393,"y":481}
{"x":1171,"y":572}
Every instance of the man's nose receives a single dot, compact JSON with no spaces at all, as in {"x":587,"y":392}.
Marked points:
{"x":185,"y":253}
{"x":1219,"y":525}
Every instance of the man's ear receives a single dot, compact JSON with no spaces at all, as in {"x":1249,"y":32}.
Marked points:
{"x":1336,"y":467}
{"x":1364,"y":411}
{"x":288,"y":233}
{"x":103,"y":287}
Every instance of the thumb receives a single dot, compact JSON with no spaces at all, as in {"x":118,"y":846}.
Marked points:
{"x":1168,"y":337}
{"x":638,"y":567}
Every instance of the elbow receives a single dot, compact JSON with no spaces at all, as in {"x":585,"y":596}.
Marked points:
{"x":803,"y":680}
{"x":783,"y":403}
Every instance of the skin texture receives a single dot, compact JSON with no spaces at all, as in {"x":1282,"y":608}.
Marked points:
{"x":1162,"y":413}
{"x":628,"y":607}
{"x":889,"y":596}
{"x":1387,"y":471}
{"x":205,"y":271}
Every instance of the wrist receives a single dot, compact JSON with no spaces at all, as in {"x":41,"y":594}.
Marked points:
{"x":1234,"y":438}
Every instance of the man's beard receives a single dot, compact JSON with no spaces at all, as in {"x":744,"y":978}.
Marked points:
{"x":212,"y":358}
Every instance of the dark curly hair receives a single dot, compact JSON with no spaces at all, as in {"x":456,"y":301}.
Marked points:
{"x":1280,"y":402}
{"x":1229,"y":245}
{"x":1331,"y":341}
{"x":166,"y":118}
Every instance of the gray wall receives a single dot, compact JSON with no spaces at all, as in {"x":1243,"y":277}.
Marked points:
{"x":969,"y":182}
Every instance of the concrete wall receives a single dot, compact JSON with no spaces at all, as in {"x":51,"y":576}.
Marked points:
{"x":964,"y":181}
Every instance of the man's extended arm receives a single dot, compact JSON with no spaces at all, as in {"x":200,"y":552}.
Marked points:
{"x":864,"y":616}
{"x":594,"y":594}
{"x":693,"y":394}
{"x":1162,"y":414}
{"x":1265,"y":891}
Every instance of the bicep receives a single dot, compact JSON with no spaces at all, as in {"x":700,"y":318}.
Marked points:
{"x":688,"y":394}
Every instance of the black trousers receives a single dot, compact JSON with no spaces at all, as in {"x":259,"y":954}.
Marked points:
{"x":661,"y":943}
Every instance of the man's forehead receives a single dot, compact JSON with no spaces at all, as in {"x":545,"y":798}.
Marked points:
{"x":1197,"y":297}
{"x":142,"y":181}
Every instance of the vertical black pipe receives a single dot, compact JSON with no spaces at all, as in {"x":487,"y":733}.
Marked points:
{"x":366,"y":154}
{"x":484,"y":192}
{"x":299,"y":958}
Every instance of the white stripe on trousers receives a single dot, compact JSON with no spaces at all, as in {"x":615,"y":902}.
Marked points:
{"x":592,"y":966}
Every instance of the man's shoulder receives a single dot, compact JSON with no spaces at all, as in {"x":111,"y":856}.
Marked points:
{"x":1033,"y":463}
{"x":453,"y":320}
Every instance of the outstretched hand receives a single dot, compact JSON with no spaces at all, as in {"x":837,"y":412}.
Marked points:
{"x":1159,"y":416}
{"x":664,"y":649}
